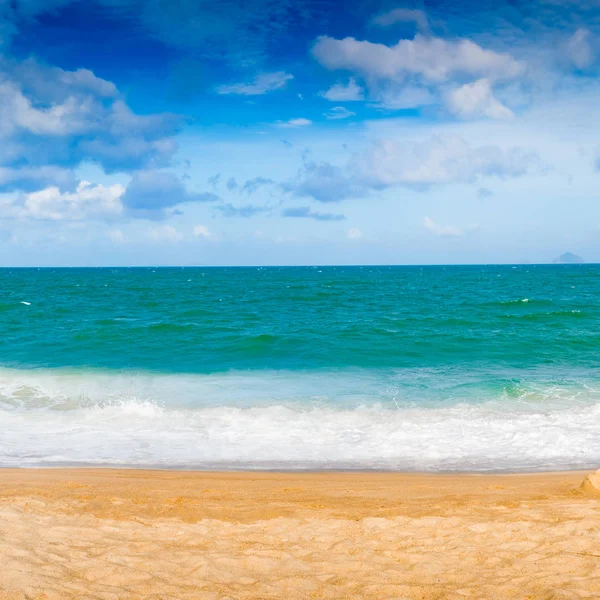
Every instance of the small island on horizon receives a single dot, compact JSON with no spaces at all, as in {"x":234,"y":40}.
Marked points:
{"x":568,"y":258}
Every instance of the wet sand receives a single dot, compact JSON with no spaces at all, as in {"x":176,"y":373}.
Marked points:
{"x":120,"y":534}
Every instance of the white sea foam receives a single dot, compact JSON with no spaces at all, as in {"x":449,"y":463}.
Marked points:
{"x":57,"y":418}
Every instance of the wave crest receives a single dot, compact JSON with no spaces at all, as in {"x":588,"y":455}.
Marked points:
{"x":277,"y":420}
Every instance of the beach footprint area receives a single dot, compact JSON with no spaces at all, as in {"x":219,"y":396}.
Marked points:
{"x":120,"y":534}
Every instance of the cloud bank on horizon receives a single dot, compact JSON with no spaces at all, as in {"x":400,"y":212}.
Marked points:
{"x":261,"y":132}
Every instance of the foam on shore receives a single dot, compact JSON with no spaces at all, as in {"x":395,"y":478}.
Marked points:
{"x":276,"y":421}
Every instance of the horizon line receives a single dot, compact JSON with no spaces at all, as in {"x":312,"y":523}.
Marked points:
{"x":300,"y":266}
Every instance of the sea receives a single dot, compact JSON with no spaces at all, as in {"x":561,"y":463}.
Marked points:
{"x":433,"y":368}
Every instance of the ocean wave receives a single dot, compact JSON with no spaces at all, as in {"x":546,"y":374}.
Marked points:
{"x":461,"y":438}
{"x":321,"y":420}
{"x":548,"y":316}
{"x":516,"y":302}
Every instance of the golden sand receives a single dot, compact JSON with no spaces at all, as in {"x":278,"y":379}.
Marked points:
{"x":117,"y":534}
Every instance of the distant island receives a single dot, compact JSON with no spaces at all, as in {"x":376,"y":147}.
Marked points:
{"x":568,"y":258}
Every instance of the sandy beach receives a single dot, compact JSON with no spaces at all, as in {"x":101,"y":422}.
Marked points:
{"x":116,"y":534}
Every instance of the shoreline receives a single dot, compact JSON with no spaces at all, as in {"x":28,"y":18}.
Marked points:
{"x":115,"y":534}
{"x":292,"y":471}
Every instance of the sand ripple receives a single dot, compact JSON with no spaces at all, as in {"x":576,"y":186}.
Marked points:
{"x":486,"y":539}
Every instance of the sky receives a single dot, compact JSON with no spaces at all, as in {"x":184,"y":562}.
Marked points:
{"x":291,"y":132}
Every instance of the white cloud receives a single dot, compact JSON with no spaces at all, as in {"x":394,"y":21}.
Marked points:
{"x":447,"y":230}
{"x":18,"y":113}
{"x":438,"y":160}
{"x":89,"y":201}
{"x":476,"y":99}
{"x":354,"y":233}
{"x":402,"y":15}
{"x":338,"y":112}
{"x":165,"y":233}
{"x":339,"y":92}
{"x":442,"y":230}
{"x":325,"y":182}
{"x":408,"y":96}
{"x":201,"y":231}
{"x":262,"y":84}
{"x":433,"y":59}
{"x":85,"y":79}
{"x":423,"y":71}
{"x":293,"y":123}
{"x":153,"y":194}
{"x":579,"y":49}
{"x":52,"y":118}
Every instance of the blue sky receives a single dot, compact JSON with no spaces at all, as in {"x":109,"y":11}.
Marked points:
{"x":138,"y":132}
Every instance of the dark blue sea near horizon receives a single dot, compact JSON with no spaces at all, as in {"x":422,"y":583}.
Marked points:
{"x":441,"y":368}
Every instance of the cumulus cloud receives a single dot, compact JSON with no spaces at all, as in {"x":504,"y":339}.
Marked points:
{"x":402,"y":15}
{"x":261,"y":84}
{"x":420,"y":71}
{"x":434,"y":59}
{"x":404,"y":97}
{"x":325,"y":182}
{"x":439,"y":160}
{"x":53,"y":117}
{"x":17,"y":113}
{"x":476,"y":100}
{"x":354,"y":233}
{"x":350,"y":92}
{"x":88,"y":201}
{"x":338,"y":112}
{"x":305,"y":212}
{"x":294,"y":123}
{"x":52,"y":120}
{"x":150,"y":193}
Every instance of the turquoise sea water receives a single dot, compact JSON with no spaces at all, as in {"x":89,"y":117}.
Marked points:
{"x":428,"y":368}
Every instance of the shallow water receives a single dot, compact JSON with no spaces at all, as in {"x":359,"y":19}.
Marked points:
{"x":424,"y":368}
